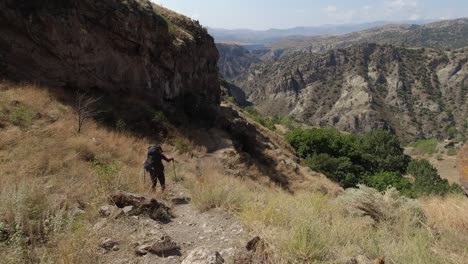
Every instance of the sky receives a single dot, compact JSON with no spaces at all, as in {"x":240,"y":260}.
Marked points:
{"x":266,"y":14}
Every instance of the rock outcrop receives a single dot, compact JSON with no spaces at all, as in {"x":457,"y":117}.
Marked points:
{"x":122,"y":47}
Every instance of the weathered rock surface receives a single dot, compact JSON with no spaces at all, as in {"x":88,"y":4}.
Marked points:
{"x":415,"y":92}
{"x":108,"y":244}
{"x":126,"y":47}
{"x":203,"y":256}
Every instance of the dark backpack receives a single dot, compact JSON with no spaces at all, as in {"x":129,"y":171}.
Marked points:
{"x":153,"y":158}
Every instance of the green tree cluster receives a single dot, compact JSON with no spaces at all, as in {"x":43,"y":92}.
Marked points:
{"x":374,"y":158}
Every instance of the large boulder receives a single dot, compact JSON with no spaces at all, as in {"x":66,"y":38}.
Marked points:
{"x":135,"y":204}
{"x":125,"y":47}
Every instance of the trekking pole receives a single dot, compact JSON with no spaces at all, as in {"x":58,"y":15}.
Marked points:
{"x":144,"y":176}
{"x":173,"y":166}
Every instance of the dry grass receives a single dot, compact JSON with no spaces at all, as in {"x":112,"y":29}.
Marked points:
{"x":311,"y":227}
{"x":47,"y":172}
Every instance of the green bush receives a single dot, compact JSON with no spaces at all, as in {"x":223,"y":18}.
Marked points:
{"x":340,"y":169}
{"x":347,"y":158}
{"x":375,"y":159}
{"x":428,"y":181}
{"x":383,"y":180}
{"x":382,"y":152}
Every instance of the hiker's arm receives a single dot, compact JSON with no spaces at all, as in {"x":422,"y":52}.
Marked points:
{"x":166,"y":158}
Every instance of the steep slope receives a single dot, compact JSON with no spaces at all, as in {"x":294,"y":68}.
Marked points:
{"x":234,"y":60}
{"x":444,"y":34}
{"x":416,"y":92}
{"x":122,"y":47}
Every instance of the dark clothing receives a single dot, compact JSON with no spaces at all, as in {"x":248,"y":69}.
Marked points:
{"x":158,"y":175}
{"x":155,"y":167}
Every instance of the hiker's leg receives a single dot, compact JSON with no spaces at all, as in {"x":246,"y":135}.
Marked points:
{"x":162,"y":180}
{"x":154,"y":179}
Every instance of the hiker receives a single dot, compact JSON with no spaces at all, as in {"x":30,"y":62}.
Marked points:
{"x":155,"y":167}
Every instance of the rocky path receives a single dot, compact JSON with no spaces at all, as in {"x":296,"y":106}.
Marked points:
{"x":128,"y":238}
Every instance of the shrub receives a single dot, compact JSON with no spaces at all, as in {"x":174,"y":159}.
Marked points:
{"x":22,"y":116}
{"x":383,"y":180}
{"x":183,"y":146}
{"x":341,"y":169}
{"x":108,"y":173}
{"x":427,"y":179}
{"x":346,"y":158}
{"x":389,"y":206}
{"x":382,"y":152}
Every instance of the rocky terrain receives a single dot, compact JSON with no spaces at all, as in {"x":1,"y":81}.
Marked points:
{"x":123,"y":47}
{"x":73,"y":192}
{"x":417,"y":92}
{"x":234,"y":60}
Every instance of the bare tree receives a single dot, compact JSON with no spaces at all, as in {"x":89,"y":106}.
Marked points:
{"x":85,"y":108}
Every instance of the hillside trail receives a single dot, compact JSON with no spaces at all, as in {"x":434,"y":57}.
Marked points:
{"x":190,"y":228}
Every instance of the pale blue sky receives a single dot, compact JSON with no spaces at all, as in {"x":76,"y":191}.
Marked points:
{"x":264,"y":14}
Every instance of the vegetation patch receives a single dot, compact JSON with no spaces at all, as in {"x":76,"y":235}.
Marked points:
{"x":257,"y":117}
{"x":375,"y":159}
{"x":425,"y":146}
{"x":22,"y":116}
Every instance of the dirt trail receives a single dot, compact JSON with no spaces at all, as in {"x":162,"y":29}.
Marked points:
{"x":190,"y":229}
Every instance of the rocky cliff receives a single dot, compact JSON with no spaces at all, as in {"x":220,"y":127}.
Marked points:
{"x":122,"y":47}
{"x":417,"y":92}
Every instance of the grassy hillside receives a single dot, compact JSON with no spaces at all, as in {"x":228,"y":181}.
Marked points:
{"x":53,"y":180}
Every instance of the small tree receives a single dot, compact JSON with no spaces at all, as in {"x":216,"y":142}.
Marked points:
{"x":85,"y":107}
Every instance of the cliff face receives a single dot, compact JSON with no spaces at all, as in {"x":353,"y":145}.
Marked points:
{"x":128,"y":47}
{"x":415,"y":92}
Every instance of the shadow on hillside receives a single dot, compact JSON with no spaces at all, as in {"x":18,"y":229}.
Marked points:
{"x":248,"y":140}
{"x":210,"y":127}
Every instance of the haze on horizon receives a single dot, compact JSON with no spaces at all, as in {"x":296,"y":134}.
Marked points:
{"x":266,"y":14}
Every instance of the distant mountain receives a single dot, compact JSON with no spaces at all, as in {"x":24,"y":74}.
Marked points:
{"x":258,"y":38}
{"x":443,"y":34}
{"x":417,"y":92}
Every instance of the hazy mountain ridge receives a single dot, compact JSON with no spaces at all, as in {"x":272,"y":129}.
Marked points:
{"x":451,"y":34}
{"x":271,"y":36}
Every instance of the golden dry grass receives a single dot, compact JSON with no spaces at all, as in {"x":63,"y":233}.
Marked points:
{"x":311,"y":227}
{"x":48,"y":171}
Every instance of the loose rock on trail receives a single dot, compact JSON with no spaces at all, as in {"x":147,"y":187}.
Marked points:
{"x":182,"y":238}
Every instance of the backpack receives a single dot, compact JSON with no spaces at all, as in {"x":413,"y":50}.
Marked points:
{"x":153,"y":157}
